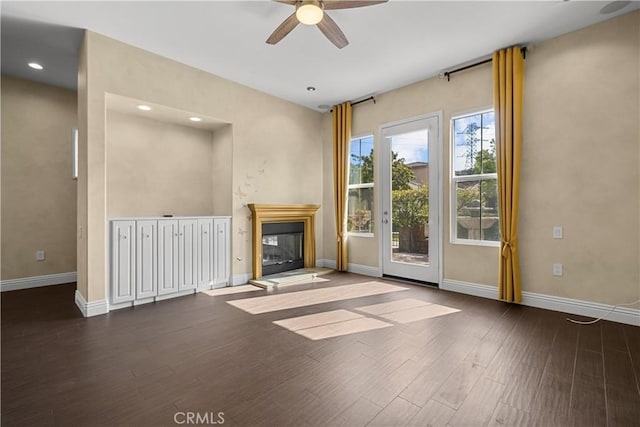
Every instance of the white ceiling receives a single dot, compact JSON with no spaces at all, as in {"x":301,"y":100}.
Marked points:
{"x":391,"y":45}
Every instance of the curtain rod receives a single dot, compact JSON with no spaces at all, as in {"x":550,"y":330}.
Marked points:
{"x":371,"y":98}
{"x":447,"y":74}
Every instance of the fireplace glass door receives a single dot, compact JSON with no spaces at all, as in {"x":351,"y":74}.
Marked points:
{"x":282,"y":247}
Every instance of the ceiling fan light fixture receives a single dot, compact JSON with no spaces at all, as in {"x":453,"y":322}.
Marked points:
{"x":309,"y":12}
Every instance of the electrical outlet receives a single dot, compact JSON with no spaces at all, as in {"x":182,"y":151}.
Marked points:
{"x":40,"y":255}
{"x":557,"y":232}
{"x":558,"y":269}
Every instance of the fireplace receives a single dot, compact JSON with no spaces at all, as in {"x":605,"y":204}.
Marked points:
{"x":283,"y":237}
{"x":282,"y":247}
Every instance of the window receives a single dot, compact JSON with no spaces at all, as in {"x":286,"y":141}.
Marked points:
{"x":474,"y":198}
{"x":360,"y":189}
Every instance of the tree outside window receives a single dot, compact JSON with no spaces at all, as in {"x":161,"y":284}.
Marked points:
{"x":360,"y":189}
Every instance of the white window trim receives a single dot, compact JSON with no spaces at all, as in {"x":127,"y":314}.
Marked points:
{"x":453,"y":179}
{"x":357,"y":186}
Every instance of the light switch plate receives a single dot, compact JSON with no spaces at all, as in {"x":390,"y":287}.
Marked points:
{"x":40,"y":255}
{"x":558,"y":269}
{"x":557,"y":232}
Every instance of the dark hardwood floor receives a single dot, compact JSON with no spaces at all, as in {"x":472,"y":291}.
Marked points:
{"x":459,"y":361}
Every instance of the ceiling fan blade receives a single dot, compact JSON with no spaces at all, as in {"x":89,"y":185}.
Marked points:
{"x":348,"y":4}
{"x":330,"y":29}
{"x":285,"y":28}
{"x":286,"y":1}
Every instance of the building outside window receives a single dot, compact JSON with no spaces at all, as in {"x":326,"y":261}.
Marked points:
{"x":474,"y":198}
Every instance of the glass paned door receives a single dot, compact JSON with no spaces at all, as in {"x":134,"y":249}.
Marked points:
{"x":410,"y":190}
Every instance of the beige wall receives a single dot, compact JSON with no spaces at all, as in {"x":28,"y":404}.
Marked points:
{"x":580,"y":164}
{"x":276,"y":145}
{"x":156,"y":168}
{"x":38,"y":192}
{"x":222,"y":169}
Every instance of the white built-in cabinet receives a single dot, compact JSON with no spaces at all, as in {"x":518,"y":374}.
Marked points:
{"x":123,"y":260}
{"x":157,"y":258}
{"x":146,"y":259}
{"x":221,"y":257}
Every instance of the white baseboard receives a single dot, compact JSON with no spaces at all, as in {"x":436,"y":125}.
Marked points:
{"x":38,"y":281}
{"x":93,"y":308}
{"x":630,"y":316}
{"x":365,"y":270}
{"x":326,"y":263}
{"x":484,"y":291}
{"x":241,"y":279}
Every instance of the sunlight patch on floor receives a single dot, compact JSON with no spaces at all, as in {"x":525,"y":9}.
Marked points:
{"x":419,"y":313}
{"x":407,"y":310}
{"x":390,"y":307}
{"x":270,"y":303}
{"x":317,"y":319}
{"x":343,"y":328}
{"x":330,"y":324}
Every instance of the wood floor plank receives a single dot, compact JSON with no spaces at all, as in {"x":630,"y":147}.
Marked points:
{"x":522,"y":388}
{"x":397,"y":413}
{"x":455,"y":389}
{"x":480,"y":404}
{"x":589,"y":367}
{"x":358,"y":414}
{"x":433,"y":414}
{"x":499,"y":364}
{"x":507,"y":415}
{"x":617,"y":366}
{"x":388,"y":387}
{"x":623,"y":408}
{"x":553,"y":401}
{"x":588,"y":404}
{"x":591,"y":337}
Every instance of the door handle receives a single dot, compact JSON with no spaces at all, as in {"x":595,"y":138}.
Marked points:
{"x":385,"y":221}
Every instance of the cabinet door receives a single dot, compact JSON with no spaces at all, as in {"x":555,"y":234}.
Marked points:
{"x":221,"y":251}
{"x":205,"y":253}
{"x":167,"y":256}
{"x":187,"y":254}
{"x":146,"y":259}
{"x":123,"y":252}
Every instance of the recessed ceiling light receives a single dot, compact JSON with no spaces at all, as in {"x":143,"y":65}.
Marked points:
{"x":311,"y":89}
{"x":144,"y":107}
{"x":195,"y":119}
{"x":35,"y":66}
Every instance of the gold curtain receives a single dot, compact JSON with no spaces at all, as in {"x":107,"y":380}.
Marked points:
{"x":508,"y":88}
{"x":341,"y":140}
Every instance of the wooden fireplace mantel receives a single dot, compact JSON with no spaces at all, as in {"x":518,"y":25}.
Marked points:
{"x":283,"y":213}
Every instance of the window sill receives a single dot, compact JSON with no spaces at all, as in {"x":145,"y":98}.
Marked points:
{"x":487,"y":243}
{"x":369,"y":235}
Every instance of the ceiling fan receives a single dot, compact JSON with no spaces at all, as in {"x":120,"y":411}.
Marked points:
{"x":311,"y":12}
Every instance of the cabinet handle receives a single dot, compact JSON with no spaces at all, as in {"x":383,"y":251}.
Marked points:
{"x":181,"y":234}
{"x":205,"y":232}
